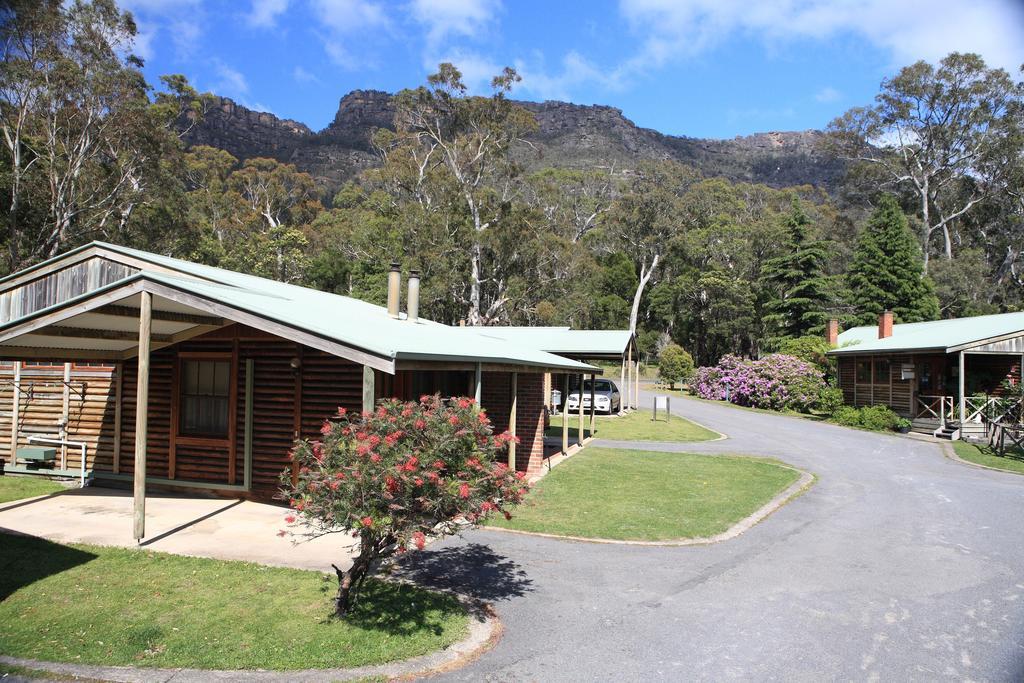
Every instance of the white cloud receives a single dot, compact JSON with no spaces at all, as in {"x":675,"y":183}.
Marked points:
{"x":574,"y":71}
{"x":346,"y":22}
{"x":264,"y":13}
{"x":909,"y":30}
{"x":828,"y":94}
{"x":303,"y":76}
{"x":230,"y":81}
{"x":446,"y":18}
{"x":182,"y":20}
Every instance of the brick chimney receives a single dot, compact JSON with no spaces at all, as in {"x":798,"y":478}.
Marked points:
{"x":885,"y":325}
{"x":832,"y":332}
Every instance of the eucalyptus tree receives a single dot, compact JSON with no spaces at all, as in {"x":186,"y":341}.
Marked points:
{"x":942,"y":133}
{"x":463,"y":142}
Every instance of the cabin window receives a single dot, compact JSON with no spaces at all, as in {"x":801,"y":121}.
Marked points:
{"x":41,"y":364}
{"x":863,"y":372}
{"x":205,"y":397}
{"x":881,"y":371}
{"x":92,"y":365}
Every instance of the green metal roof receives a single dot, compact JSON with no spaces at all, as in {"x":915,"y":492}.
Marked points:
{"x":563,"y":340}
{"x":348,"y":321}
{"x":936,"y":335}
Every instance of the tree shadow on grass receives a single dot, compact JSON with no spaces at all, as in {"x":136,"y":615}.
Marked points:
{"x":27,"y":559}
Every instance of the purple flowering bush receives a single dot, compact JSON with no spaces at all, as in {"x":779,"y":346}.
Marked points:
{"x":775,"y":382}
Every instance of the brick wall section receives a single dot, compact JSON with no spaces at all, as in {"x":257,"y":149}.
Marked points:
{"x":494,"y":397}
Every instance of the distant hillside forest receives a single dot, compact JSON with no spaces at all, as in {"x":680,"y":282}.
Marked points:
{"x":510,"y":211}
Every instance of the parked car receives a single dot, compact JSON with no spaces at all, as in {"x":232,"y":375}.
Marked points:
{"x":606,"y":397}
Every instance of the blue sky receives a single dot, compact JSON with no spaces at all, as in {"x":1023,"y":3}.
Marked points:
{"x":703,"y":68}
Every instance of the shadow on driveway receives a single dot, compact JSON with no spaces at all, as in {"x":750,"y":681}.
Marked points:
{"x":472,"y":569}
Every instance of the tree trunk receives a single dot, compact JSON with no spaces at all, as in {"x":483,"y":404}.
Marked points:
{"x":645,"y":277}
{"x":474,"y":285}
{"x":350,"y":581}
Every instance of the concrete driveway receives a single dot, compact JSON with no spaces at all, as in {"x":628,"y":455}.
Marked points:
{"x":899,"y":564}
{"x":186,"y":525}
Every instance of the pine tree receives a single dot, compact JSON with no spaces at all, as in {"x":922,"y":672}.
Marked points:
{"x":800,"y":288}
{"x":888,"y":270}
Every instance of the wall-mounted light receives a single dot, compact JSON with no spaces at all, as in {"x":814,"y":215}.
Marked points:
{"x":295,"y":363}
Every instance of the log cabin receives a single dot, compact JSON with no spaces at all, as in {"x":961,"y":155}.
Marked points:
{"x":950,"y":377}
{"x":123,"y":365}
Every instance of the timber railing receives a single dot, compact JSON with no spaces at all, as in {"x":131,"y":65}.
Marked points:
{"x":935,"y":407}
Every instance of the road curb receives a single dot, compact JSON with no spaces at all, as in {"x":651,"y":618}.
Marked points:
{"x":485,"y":631}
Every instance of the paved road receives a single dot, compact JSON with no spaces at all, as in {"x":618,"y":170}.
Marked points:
{"x":899,"y":564}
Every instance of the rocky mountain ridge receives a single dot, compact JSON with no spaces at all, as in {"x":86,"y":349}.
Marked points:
{"x":568,"y":135}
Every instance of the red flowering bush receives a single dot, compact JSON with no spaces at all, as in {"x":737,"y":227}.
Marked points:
{"x":393,"y":476}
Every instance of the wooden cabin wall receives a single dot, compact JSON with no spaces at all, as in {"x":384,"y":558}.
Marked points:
{"x":295,"y":388}
{"x":890,"y":390}
{"x":90,"y":410}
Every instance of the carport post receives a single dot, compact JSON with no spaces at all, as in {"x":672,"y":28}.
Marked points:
{"x":963,"y":399}
{"x":477,"y":390}
{"x":636,"y":383}
{"x":565,"y":415}
{"x":592,"y":382}
{"x":579,"y":434}
{"x":622,"y":387}
{"x":629,"y":377}
{"x":141,"y":416}
{"x":513,"y":396}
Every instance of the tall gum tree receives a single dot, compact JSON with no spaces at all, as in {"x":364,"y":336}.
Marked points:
{"x":469,"y":138}
{"x":939,"y":132}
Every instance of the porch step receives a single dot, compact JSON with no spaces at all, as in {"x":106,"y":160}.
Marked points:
{"x":948,"y":431}
{"x":923,"y":425}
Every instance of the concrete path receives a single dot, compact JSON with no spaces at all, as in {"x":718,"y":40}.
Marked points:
{"x":186,"y":525}
{"x":899,"y":564}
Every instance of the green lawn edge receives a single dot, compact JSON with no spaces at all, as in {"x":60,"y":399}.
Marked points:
{"x":635,"y":426}
{"x":984,"y":455}
{"x":14,"y":487}
{"x":649,"y":496}
{"x":127,"y":607}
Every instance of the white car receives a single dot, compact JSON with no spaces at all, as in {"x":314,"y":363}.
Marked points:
{"x":606,"y":397}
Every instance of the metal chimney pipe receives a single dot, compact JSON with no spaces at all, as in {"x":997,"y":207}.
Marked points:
{"x":413,"y":304}
{"x":394,"y":289}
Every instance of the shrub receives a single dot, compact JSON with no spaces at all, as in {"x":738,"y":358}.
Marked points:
{"x":776,"y":382}
{"x":811,"y":349}
{"x":393,"y":476}
{"x":879,"y":418}
{"x":848,"y":416}
{"x":830,"y":400}
{"x":674,"y":364}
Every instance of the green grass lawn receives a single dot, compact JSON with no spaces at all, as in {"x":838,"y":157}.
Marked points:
{"x":648,"y":496}
{"x":636,"y":426}
{"x":979,"y":454}
{"x":16,"y":488}
{"x":116,"y":606}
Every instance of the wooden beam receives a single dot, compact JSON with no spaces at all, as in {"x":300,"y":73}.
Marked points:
{"x":579,"y":433}
{"x":478,"y":383}
{"x":622,"y":387}
{"x":164,"y":316}
{"x":593,"y":421}
{"x":565,"y":414}
{"x":93,"y":333}
{"x":247,"y":466}
{"x":57,"y":354}
{"x":297,"y":410}
{"x":118,"y":391}
{"x":369,"y":388}
{"x":15,"y":409}
{"x":513,"y":400}
{"x":233,"y":414}
{"x":962,"y":381}
{"x":629,"y":377}
{"x":141,"y":417}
